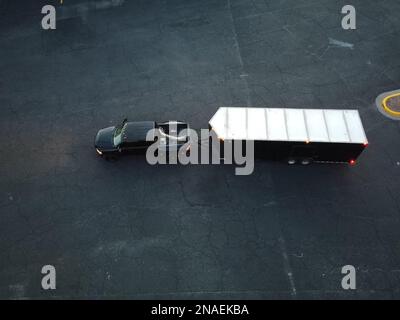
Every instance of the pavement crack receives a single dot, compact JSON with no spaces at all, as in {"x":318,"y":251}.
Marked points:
{"x":239,"y":55}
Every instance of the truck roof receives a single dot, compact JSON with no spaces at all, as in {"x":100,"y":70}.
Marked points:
{"x":284,"y":124}
{"x":137,"y":131}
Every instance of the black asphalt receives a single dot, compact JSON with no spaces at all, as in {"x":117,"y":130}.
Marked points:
{"x":126,"y":229}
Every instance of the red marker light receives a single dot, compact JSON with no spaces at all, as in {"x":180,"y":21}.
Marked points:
{"x":365,"y":144}
{"x":352,"y":162}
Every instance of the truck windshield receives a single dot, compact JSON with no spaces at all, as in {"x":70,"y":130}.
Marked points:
{"x":118,"y":135}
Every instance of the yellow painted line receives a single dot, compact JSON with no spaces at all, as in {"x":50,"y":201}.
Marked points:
{"x":385,"y":106}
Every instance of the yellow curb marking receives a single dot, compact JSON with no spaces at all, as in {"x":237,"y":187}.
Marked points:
{"x":386,"y":107}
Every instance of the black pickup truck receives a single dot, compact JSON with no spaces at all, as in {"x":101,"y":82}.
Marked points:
{"x":130,"y":137}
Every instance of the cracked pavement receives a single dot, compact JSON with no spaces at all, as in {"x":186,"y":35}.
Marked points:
{"x":126,"y":229}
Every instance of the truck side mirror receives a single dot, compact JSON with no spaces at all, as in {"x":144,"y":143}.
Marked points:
{"x":121,"y":125}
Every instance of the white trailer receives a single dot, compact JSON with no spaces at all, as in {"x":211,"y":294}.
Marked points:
{"x":294,"y":135}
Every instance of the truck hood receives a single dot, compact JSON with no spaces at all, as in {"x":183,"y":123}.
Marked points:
{"x":104,"y":138}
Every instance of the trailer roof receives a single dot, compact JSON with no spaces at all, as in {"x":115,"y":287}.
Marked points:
{"x":280,"y":124}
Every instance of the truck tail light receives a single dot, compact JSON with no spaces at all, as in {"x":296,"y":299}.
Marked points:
{"x":352,"y":162}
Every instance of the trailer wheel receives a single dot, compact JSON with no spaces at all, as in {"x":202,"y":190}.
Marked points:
{"x":291,"y":161}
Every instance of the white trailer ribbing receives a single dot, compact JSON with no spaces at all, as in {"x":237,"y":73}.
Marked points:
{"x":283,"y":124}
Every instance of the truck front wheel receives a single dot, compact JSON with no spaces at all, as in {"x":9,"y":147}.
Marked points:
{"x":110,"y":157}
